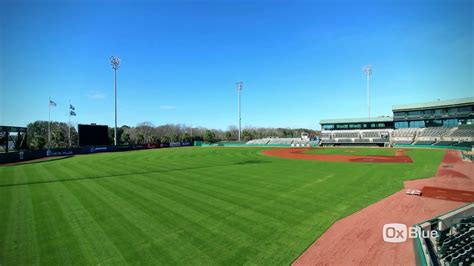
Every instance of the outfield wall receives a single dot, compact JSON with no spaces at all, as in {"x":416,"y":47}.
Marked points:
{"x":461,"y":148}
{"x":19,"y":156}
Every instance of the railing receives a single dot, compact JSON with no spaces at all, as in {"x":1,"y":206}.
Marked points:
{"x":466,"y":155}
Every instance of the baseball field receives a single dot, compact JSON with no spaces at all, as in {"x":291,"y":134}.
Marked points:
{"x":187,"y":205}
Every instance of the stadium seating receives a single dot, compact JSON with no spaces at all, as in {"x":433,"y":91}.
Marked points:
{"x":435,"y":132}
{"x":345,"y":134}
{"x":374,"y":134}
{"x":444,"y":143}
{"x":404,"y":133}
{"x":423,"y":142}
{"x":325,"y":135}
{"x":436,"y":136}
{"x":467,"y":144}
{"x":403,"y":142}
{"x":355,"y":137}
{"x":455,"y":244}
{"x":344,"y":141}
{"x":282,"y":141}
{"x":371,"y":134}
{"x":259,"y":141}
{"x":463,"y":133}
{"x":303,"y":143}
{"x":447,"y":239}
{"x":362,"y":140}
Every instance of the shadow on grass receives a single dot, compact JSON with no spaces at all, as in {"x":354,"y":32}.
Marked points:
{"x":137,"y":173}
{"x":35,"y":161}
{"x":252,"y":162}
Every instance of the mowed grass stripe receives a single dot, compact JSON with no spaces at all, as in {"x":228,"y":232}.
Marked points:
{"x":212,"y":207}
{"x":265,"y":224}
{"x":149,"y":221}
{"x":185,"y":206}
{"x":18,"y":243}
{"x":52,"y":229}
{"x":196,"y":205}
{"x":115,"y":220}
{"x":248,"y":203}
{"x":193,"y":224}
{"x":95,"y":244}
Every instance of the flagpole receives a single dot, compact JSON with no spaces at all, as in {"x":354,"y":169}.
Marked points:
{"x":49,"y":123}
{"x":70,"y":123}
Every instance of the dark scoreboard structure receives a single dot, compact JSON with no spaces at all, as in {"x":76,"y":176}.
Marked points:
{"x":93,"y":135}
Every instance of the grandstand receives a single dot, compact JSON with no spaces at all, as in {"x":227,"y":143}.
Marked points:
{"x":259,"y":141}
{"x":452,"y":242}
{"x":440,"y":123}
{"x":274,"y":141}
{"x":282,"y":141}
{"x":404,"y":135}
{"x":356,"y":131}
{"x":463,"y":133}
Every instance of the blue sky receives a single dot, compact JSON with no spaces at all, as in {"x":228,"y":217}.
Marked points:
{"x":300,"y":61}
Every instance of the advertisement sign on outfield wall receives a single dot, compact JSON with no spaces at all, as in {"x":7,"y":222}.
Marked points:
{"x":175,"y":144}
{"x":12,"y":157}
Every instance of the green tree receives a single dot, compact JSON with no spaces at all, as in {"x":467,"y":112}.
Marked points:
{"x":209,"y":136}
{"x":228,"y":135}
{"x":174,"y":137}
{"x":165,"y":139}
{"x":246,"y":135}
{"x":125,"y":138}
{"x":186,"y":137}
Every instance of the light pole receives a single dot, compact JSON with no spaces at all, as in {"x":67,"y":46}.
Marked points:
{"x":239,"y":89}
{"x":368,"y":72}
{"x":115,"y":62}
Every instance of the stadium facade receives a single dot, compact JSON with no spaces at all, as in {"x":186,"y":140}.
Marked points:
{"x":449,"y":113}
{"x":439,"y":123}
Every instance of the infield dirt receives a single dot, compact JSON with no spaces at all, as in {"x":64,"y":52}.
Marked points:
{"x":299,"y":153}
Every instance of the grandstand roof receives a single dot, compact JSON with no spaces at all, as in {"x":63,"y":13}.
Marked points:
{"x":357,"y":120}
{"x":444,"y":103}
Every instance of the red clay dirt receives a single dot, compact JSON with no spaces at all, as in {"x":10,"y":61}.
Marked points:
{"x":357,"y":239}
{"x":448,"y":194}
{"x":299,"y":153}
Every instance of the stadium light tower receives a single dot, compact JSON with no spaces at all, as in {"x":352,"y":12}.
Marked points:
{"x":115,"y":62}
{"x":239,"y":89}
{"x":368,"y":72}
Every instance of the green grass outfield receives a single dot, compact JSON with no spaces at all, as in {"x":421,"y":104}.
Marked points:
{"x":353,"y":151}
{"x":184,"y":205}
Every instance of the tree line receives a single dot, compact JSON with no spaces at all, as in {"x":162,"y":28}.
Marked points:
{"x":147,"y":133}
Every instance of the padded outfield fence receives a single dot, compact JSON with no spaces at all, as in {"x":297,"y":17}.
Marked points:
{"x":13,"y":157}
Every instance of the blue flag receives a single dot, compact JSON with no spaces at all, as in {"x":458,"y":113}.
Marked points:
{"x":72,"y":113}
